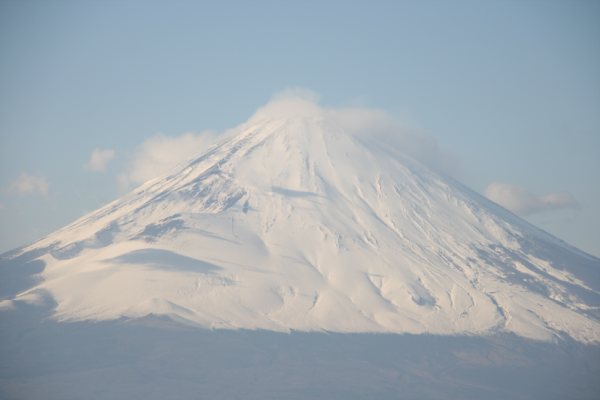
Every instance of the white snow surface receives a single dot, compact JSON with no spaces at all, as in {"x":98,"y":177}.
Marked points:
{"x":292,"y":222}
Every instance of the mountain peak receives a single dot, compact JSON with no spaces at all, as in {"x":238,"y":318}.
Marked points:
{"x":299,"y":220}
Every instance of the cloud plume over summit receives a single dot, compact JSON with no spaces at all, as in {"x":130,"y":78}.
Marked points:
{"x":159,"y":153}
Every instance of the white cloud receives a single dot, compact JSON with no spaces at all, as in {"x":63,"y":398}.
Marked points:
{"x":377,"y":124}
{"x":288,"y":104}
{"x":522,"y":202}
{"x":159,"y":153}
{"x":365,"y":122}
{"x":99,"y":159}
{"x":28,"y":184}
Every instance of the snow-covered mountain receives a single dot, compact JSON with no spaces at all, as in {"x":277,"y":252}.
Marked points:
{"x":295,"y":222}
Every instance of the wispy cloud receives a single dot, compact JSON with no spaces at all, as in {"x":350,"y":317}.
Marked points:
{"x":365,"y":122}
{"x":29,"y":184}
{"x":377,"y":124}
{"x":99,"y":159}
{"x":159,"y":153}
{"x":520,"y":201}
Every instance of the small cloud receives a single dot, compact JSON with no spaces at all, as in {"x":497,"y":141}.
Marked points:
{"x":522,"y":202}
{"x":290,"y":103}
{"x":159,"y":153}
{"x":28,"y":184}
{"x":99,"y":159}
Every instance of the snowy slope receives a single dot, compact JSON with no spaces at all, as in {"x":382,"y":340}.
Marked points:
{"x":294,"y":222}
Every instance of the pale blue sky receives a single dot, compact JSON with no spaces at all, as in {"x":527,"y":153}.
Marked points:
{"x":511,"y":88}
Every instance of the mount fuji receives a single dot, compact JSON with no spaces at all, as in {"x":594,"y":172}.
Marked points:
{"x":297,"y":222}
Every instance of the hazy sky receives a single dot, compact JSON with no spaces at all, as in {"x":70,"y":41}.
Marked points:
{"x":510,"y":88}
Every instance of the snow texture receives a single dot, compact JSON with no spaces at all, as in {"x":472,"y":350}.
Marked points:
{"x":294,"y":223}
